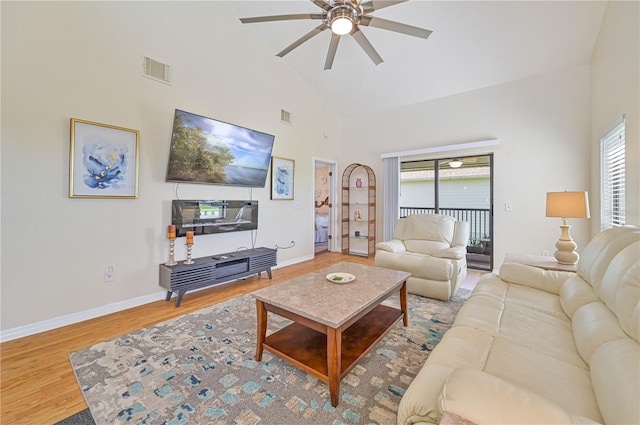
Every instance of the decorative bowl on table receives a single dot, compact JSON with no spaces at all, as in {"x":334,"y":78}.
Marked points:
{"x":341,"y":277}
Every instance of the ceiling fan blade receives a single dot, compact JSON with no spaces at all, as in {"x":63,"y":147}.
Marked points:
{"x":373,"y":5}
{"x":317,"y":30}
{"x":366,"y":46}
{"x":370,"y":21}
{"x":282,"y":18}
{"x":322,"y":4}
{"x":331,"y":54}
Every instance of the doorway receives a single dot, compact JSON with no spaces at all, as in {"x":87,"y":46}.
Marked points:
{"x":461,"y":187}
{"x":324,"y":213}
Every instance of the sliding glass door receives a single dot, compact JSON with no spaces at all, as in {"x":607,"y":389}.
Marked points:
{"x":460,"y":187}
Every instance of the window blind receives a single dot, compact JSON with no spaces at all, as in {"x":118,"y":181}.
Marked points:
{"x":612,"y":171}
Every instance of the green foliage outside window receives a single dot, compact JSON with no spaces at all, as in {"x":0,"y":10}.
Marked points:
{"x":193,"y":158}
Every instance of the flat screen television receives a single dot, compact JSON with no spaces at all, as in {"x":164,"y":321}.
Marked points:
{"x":204,"y":150}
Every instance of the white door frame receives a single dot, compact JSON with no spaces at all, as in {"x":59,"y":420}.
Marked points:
{"x":334,"y":181}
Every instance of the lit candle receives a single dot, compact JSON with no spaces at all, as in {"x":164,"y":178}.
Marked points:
{"x":189,"y":238}
{"x":172,"y":231}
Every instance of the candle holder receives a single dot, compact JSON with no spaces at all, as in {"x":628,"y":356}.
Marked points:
{"x":172,"y":245}
{"x":189,"y":260}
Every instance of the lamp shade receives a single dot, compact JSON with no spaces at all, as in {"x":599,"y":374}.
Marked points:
{"x":568,"y":204}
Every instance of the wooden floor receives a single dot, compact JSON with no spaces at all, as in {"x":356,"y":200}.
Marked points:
{"x":37,"y":383}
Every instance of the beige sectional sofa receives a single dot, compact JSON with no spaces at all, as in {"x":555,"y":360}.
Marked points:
{"x":433,"y":248}
{"x":542,"y":347}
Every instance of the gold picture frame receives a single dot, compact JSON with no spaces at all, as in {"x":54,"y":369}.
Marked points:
{"x":103,"y":161}
{"x":282,"y":178}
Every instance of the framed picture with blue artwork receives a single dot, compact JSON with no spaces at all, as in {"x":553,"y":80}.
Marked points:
{"x":282,"y":176}
{"x":103,"y":161}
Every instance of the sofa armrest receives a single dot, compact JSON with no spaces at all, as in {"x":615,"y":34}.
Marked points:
{"x":486,"y":399}
{"x":453,"y":253}
{"x":394,"y":245}
{"x":534,"y":277}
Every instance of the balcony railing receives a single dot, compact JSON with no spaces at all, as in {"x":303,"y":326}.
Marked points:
{"x":479,"y":247}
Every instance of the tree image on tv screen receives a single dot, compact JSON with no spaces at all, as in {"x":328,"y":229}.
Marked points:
{"x":194,"y":157}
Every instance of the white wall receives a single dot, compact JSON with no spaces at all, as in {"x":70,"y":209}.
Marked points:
{"x":543,"y":126}
{"x":615,"y":90}
{"x":63,"y":60}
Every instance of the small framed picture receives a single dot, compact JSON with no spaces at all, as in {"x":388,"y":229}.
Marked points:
{"x":103,"y":161}
{"x":282,"y":178}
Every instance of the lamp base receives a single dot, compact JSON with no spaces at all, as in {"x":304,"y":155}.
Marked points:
{"x":566,"y":253}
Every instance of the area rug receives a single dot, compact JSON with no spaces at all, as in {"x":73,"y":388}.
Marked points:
{"x":200,"y":369}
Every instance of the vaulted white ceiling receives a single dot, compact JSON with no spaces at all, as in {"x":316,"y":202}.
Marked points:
{"x":474,"y":44}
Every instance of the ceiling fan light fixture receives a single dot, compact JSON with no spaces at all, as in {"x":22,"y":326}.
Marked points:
{"x":456,"y":163}
{"x":341,"y":26}
{"x":344,"y":17}
{"x":341,"y":19}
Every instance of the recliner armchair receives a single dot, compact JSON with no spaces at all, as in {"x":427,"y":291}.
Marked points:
{"x":432,"y":248}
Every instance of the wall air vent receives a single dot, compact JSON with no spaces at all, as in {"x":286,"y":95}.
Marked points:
{"x":156,"y":70}
{"x":285,"y":116}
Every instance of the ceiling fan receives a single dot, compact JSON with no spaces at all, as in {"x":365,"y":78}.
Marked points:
{"x":344,"y":17}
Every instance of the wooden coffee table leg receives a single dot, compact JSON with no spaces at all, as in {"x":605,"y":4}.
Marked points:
{"x":334,"y":362}
{"x":403,"y":303}
{"x":262,"y":328}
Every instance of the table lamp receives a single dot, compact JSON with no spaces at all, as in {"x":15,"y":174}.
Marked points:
{"x":567,"y":205}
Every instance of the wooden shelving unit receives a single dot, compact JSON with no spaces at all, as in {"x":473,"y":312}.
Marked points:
{"x":358,"y":210}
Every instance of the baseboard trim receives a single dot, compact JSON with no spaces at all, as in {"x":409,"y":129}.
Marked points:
{"x":81,"y":316}
{"x":70,"y":319}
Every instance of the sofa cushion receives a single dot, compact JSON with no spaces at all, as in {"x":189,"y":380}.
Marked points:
{"x":461,"y":234}
{"x":544,"y":372}
{"x":473,"y":395}
{"x":534,"y":277}
{"x":619,"y":288}
{"x":454,"y":253}
{"x":575,"y":293}
{"x":598,"y":253}
{"x":418,"y":265}
{"x":463,"y":347}
{"x":432,"y":227}
{"x":615,"y":373}
{"x":421,"y":246}
{"x":393,"y":245}
{"x":594,"y":325}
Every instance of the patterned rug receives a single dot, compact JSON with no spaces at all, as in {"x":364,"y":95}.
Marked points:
{"x":200,"y":369}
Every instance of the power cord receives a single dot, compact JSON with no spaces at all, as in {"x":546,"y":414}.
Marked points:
{"x":291,"y":245}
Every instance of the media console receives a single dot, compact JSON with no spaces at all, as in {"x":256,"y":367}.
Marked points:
{"x":215,"y":270}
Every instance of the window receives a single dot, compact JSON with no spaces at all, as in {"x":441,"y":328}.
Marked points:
{"x":460,"y":187}
{"x":612,"y":171}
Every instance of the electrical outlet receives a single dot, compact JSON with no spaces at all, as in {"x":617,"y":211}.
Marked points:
{"x":545,"y":253}
{"x":109,"y":273}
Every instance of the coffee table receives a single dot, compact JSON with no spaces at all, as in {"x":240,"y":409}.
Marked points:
{"x":334,"y":324}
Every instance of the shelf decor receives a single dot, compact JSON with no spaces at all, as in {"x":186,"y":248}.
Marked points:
{"x":358,"y":210}
{"x":282,"y":178}
{"x":103,"y":161}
